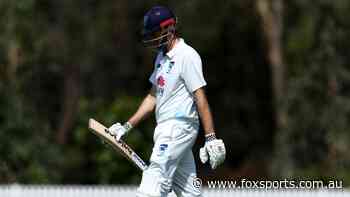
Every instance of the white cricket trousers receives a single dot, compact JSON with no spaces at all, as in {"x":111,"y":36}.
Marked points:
{"x":172,"y":165}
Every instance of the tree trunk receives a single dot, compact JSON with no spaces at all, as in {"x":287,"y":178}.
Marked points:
{"x":70,"y":101}
{"x":124,"y":41}
{"x":271,"y":16}
{"x":71,"y":73}
{"x":271,"y":13}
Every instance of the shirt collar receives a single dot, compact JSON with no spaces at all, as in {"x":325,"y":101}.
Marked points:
{"x":176,"y":48}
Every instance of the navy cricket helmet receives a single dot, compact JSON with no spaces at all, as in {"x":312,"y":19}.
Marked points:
{"x":158,"y":27}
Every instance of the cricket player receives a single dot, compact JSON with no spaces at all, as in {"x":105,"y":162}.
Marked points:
{"x":179,"y":101}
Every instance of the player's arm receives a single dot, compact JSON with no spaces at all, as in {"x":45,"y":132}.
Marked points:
{"x":145,"y":108}
{"x":204,"y":112}
{"x":192,"y":74}
{"x":214,"y":149}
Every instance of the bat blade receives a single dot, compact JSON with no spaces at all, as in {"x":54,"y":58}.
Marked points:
{"x":120,"y":146}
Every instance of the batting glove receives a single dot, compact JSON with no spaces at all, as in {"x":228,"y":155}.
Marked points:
{"x":118,"y":130}
{"x":213,"y":150}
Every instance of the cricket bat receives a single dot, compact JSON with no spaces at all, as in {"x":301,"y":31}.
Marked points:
{"x":120,"y":146}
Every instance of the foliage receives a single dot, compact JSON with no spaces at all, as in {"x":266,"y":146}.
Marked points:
{"x":89,"y":154}
{"x":317,"y":138}
{"x":44,"y":42}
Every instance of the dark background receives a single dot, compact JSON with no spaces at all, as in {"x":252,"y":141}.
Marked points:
{"x":278,"y":78}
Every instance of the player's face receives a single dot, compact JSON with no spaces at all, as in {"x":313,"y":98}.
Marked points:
{"x":159,"y":39}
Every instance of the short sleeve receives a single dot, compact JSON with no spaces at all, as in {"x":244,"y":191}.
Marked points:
{"x":192,"y":72}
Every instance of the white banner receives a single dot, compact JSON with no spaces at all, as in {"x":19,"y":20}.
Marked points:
{"x":129,"y":191}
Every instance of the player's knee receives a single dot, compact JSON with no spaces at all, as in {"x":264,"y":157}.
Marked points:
{"x":154,"y":184}
{"x":188,"y":188}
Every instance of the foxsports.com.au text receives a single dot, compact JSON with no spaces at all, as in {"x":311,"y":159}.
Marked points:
{"x":277,"y":184}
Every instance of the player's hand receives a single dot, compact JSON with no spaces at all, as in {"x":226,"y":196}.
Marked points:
{"x":118,"y":130}
{"x":214,"y":151}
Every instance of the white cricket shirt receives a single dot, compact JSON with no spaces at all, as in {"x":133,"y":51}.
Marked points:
{"x":177,"y":74}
